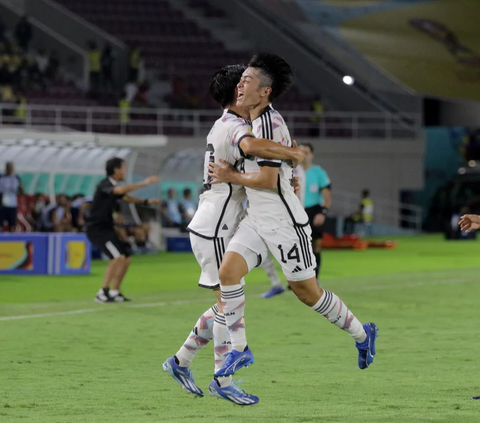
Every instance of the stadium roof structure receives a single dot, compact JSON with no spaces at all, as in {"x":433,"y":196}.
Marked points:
{"x":69,"y":153}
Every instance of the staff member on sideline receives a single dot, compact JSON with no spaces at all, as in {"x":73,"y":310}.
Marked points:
{"x":318,"y":199}
{"x":100,"y":226}
{"x":10,"y":186}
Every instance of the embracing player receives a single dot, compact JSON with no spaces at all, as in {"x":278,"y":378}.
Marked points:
{"x":219,"y":213}
{"x":275,"y":221}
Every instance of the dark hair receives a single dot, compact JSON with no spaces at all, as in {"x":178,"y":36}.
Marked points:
{"x":223,"y":83}
{"x":187,"y":192}
{"x":112,"y":164}
{"x":366,"y":192}
{"x":309,"y":145}
{"x":277,"y":73}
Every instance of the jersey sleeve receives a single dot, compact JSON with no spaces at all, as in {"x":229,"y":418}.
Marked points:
{"x":239,"y":131}
{"x":272,"y":128}
{"x":323,"y":179}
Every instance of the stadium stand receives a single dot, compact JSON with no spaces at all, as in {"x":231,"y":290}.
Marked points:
{"x":171,"y":43}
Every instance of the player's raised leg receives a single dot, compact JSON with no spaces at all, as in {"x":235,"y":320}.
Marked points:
{"x":335,"y":311}
{"x":292,"y":247}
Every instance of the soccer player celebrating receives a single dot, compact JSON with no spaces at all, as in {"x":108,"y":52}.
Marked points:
{"x":316,"y":198}
{"x":100,"y":228}
{"x":219,"y":212}
{"x":275,"y":221}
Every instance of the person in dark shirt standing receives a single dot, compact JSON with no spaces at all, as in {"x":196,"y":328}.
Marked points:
{"x":100,"y":226}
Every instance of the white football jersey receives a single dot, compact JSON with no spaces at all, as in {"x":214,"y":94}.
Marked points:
{"x":220,"y":208}
{"x":299,"y":173}
{"x":279,"y":207}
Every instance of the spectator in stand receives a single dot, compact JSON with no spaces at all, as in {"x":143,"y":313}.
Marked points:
{"x":77,"y":202}
{"x":130,"y":91}
{"x":53,"y":66}
{"x":10,"y":187}
{"x":23,"y":33}
{"x":108,"y":58}
{"x":46,"y":219}
{"x":62,"y":217}
{"x":187,"y":207}
{"x":193,"y":99}
{"x":134,"y":59}
{"x":318,"y":110}
{"x":124,"y":113}
{"x":171,"y":211}
{"x":40,"y":201}
{"x":42,"y":60}
{"x":141,"y":99}
{"x":20,"y":113}
{"x":178,"y":99}
{"x":95,"y":67}
{"x":36,"y":78}
{"x":26,"y":205}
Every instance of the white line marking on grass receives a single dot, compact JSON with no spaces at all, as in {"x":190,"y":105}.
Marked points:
{"x":95,"y":310}
{"x":164,"y":303}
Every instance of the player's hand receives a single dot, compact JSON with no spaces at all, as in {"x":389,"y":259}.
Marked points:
{"x":154,"y":202}
{"x":296,"y":185}
{"x":319,"y":219}
{"x":151,"y":180}
{"x":221,"y":173}
{"x":469,"y":222}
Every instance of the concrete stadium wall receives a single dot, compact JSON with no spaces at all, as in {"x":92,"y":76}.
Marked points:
{"x":384,"y":166}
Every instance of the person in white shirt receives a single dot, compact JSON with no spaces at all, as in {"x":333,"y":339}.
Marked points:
{"x":275,"y":222}
{"x":219,"y":212}
{"x":10,"y":185}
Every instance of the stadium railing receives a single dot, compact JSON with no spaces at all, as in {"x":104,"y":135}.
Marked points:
{"x":149,"y":121}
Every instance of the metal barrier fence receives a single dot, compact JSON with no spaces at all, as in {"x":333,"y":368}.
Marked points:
{"x":199,"y":122}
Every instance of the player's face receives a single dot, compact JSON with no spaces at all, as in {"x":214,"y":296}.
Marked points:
{"x":308,"y":154}
{"x":249,"y":90}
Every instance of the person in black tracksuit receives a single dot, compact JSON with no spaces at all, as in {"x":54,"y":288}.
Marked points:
{"x":100,"y":228}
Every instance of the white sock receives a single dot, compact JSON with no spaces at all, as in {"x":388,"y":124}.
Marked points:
{"x":269,"y":266}
{"x":233,"y":304}
{"x":336,"y":312}
{"x":113,"y":292}
{"x":200,"y":336}
{"x":221,"y":346}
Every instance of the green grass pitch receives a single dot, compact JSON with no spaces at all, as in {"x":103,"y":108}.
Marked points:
{"x":66,"y":359}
